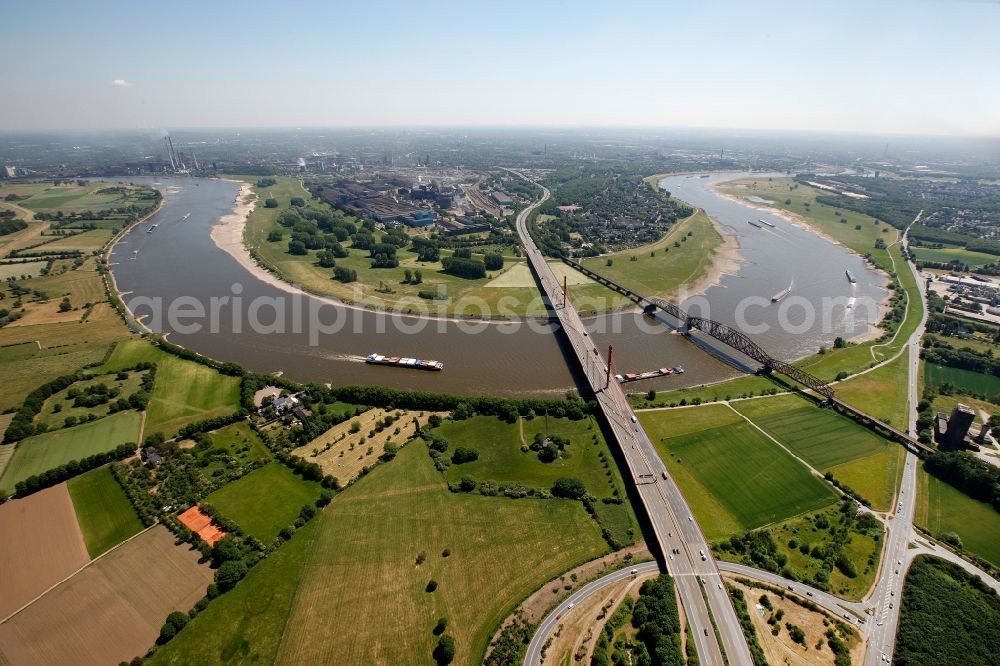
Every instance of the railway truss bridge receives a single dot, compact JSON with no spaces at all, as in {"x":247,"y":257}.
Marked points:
{"x":742,"y":343}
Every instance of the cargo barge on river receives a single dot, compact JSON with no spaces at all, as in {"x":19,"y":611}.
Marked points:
{"x":400,"y":362}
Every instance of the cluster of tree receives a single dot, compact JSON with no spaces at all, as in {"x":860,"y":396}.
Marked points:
{"x":602,"y":647}
{"x":974,"y":477}
{"x":345,"y":275}
{"x":941,"y":600}
{"x":942,"y":353}
{"x":266,"y":182}
{"x":657,"y":622}
{"x":954,"y":327}
{"x":22,"y":425}
{"x":426,"y":249}
{"x":470,"y":269}
{"x":746,"y":623}
{"x":9,"y":226}
{"x":72,"y":468}
{"x":383,"y":255}
{"x":462,"y":406}
{"x":508,"y":648}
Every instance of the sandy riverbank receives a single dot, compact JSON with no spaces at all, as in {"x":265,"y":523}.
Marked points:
{"x":726,"y":260}
{"x":228,"y":237}
{"x":873,"y":332}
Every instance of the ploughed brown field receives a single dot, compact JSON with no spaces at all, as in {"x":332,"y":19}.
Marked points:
{"x":111,"y":611}
{"x":40,"y":544}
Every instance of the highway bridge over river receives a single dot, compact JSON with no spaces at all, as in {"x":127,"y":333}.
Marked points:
{"x":686,"y":553}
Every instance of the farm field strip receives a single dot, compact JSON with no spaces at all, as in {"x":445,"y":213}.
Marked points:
{"x":127,"y":594}
{"x":105,"y":515}
{"x":40,"y":544}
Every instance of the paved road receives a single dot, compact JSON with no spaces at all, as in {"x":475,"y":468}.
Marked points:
{"x":834,"y":605}
{"x":668,"y":513}
{"x":897,"y":555}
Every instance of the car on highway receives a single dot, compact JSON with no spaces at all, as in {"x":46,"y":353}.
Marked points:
{"x":570,"y":606}
{"x":690,"y":519}
{"x":664,"y":474}
{"x":634,"y":571}
{"x":809,"y":594}
{"x":633,"y":418}
{"x":720,"y":586}
{"x":706,"y":631}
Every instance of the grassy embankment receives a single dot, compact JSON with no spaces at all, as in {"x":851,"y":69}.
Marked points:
{"x":510,"y":291}
{"x":359,"y":557}
{"x":105,"y":515}
{"x":265,"y":500}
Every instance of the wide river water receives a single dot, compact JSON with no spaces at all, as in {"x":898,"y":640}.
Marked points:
{"x":178,"y":265}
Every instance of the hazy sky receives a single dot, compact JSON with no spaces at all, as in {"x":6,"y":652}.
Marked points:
{"x":877,"y":65}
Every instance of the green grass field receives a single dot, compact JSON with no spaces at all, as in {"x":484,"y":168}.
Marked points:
{"x":184,"y":392}
{"x":23,"y":367}
{"x":881,"y":392}
{"x":245,"y":625}
{"x":946,"y":255}
{"x":42,"y":452}
{"x":942,"y":508}
{"x":235,"y":444}
{"x":734,"y":478}
{"x":500,"y":457}
{"x":105,"y":515}
{"x":59,"y":407}
{"x":265,"y":500}
{"x":965,"y":381}
{"x":660,"y":268}
{"x":830,"y":442}
{"x":326,"y":602}
{"x":740,"y":387}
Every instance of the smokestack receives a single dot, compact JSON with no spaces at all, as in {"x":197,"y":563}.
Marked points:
{"x":170,"y":154}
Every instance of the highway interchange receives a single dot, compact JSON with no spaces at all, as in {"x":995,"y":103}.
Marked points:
{"x":689,"y":560}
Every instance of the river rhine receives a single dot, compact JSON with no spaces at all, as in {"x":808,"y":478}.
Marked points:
{"x":179,"y":260}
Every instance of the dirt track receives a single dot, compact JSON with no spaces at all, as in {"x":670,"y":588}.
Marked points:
{"x":40,"y":544}
{"x":111,"y":611}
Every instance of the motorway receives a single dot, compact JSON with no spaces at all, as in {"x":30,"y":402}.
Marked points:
{"x":897,"y":554}
{"x":688,"y":558}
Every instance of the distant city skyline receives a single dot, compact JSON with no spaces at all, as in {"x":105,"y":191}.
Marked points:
{"x":868,"y":67}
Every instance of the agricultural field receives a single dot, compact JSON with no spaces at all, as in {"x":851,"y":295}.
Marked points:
{"x":25,"y":366}
{"x":265,"y":500}
{"x":40,"y":544}
{"x":21,"y":269}
{"x":67,"y":197}
{"x":343,"y":453}
{"x":734,"y":478}
{"x":503,"y":456}
{"x":942,"y":509}
{"x":126,"y":594}
{"x":105,"y":515}
{"x":829,"y":442}
{"x":661,"y":268}
{"x":60,"y":406}
{"x":185,"y":391}
{"x":37,"y":454}
{"x":964,"y":381}
{"x":359,"y":556}
{"x":383,"y":287}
